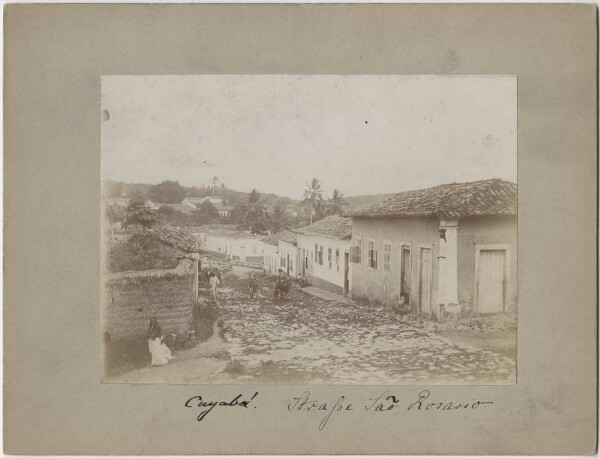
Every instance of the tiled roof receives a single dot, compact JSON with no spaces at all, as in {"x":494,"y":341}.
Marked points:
{"x":224,"y":230}
{"x":332,"y":226}
{"x":271,"y":240}
{"x":178,"y":237}
{"x":208,"y":228}
{"x":283,"y":236}
{"x":287,"y":236}
{"x":233,"y":233}
{"x":477,"y":198}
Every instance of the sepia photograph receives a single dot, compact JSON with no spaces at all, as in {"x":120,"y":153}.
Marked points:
{"x":305,"y":229}
{"x":309,"y":229}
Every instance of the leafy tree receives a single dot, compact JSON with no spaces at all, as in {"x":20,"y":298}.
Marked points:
{"x":141,"y":251}
{"x":206,"y":212}
{"x":313,"y":195}
{"x":279,"y":220}
{"x":168,"y":216}
{"x":253,"y":213}
{"x":166,"y":210}
{"x":138,"y":214}
{"x":254,"y":197}
{"x":138,"y":196}
{"x":168,"y":192}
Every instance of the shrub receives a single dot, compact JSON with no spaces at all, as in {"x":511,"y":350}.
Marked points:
{"x":234,"y":367}
{"x":141,"y":252}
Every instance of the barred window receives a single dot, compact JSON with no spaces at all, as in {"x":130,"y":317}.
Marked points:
{"x":359,"y":251}
{"x":337,"y":259}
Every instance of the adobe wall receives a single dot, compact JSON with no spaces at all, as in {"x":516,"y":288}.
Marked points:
{"x":132,"y":298}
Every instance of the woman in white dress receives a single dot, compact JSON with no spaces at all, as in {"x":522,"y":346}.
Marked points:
{"x":158,"y":349}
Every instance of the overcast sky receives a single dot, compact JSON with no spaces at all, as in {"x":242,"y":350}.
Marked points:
{"x":358,"y":134}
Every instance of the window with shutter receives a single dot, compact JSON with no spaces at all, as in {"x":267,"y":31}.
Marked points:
{"x":387,"y":256}
{"x":372,"y":255}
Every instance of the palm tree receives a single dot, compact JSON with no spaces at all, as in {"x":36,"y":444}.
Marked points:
{"x":313,"y":194}
{"x":337,"y":203}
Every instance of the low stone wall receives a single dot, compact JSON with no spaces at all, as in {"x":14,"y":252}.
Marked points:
{"x":132,"y":298}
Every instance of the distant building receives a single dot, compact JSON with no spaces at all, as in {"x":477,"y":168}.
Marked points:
{"x":447,"y":250}
{"x":224,"y":210}
{"x":281,"y":252}
{"x":324,"y":249}
{"x":193,"y":201}
{"x":271,"y":255}
{"x":233,"y":244}
{"x":153,"y":205}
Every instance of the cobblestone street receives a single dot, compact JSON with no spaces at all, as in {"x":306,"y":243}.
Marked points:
{"x":307,"y":339}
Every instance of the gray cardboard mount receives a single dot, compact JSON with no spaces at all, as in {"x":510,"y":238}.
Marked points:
{"x":55,"y":55}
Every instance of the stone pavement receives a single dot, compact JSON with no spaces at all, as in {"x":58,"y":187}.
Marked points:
{"x":324,"y":294}
{"x":309,"y":339}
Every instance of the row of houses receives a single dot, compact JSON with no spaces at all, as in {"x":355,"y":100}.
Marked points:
{"x":445,"y":250}
{"x":234,"y":244}
{"x":188,"y":204}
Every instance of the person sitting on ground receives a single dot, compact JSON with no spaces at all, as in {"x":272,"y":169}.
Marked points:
{"x":161,"y":354}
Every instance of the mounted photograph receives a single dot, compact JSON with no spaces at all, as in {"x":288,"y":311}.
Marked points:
{"x":309,"y":229}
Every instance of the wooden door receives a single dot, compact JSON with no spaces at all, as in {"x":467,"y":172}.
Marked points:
{"x":304,"y":262}
{"x":346,"y":273}
{"x":405,"y":274}
{"x":491,"y":281}
{"x":425,"y":280}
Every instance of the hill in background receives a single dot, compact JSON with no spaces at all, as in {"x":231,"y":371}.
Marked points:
{"x":233,"y":196}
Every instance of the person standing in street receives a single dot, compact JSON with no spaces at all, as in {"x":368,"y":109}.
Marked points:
{"x":214,"y":283}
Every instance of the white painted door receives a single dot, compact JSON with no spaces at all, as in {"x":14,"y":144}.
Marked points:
{"x":425,"y":280}
{"x":491,"y":281}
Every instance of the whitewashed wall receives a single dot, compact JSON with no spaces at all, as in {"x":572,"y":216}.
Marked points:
{"x":334,"y":274}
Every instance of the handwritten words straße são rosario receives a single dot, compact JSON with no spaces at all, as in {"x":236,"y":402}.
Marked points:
{"x":385,"y":402}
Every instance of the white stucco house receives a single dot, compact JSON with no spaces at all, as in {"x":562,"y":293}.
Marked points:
{"x":324,"y":250}
{"x":193,"y":201}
